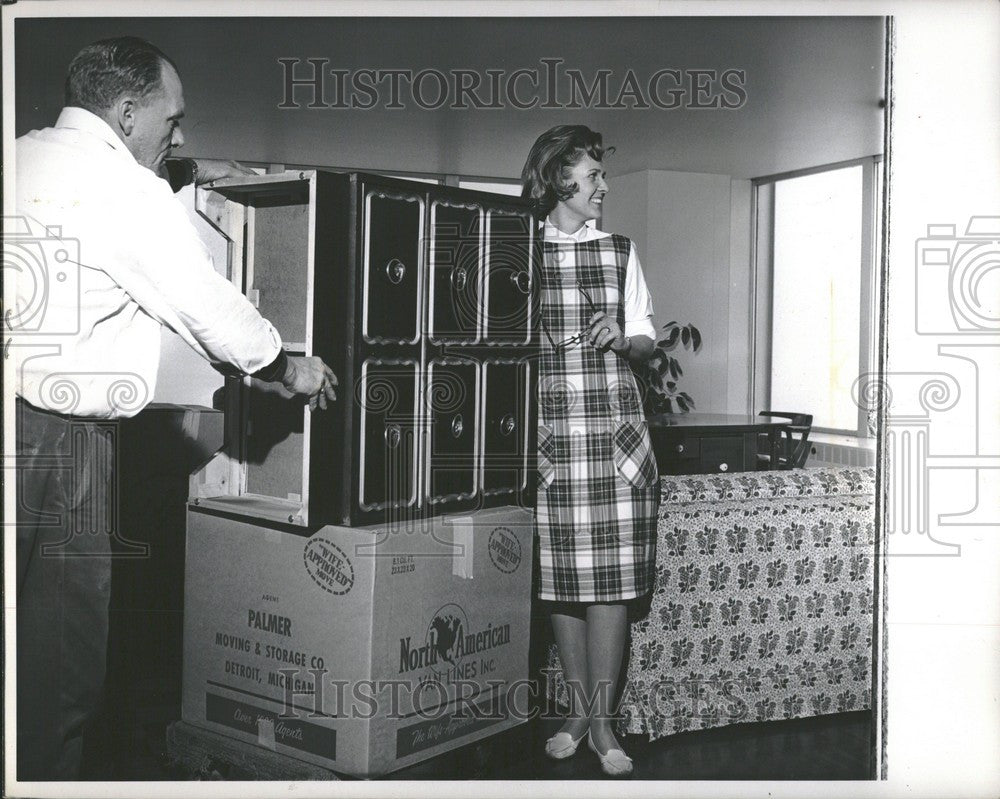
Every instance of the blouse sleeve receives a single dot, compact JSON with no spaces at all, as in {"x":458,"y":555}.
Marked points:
{"x":638,"y":303}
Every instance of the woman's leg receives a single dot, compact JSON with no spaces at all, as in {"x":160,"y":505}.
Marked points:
{"x":570,"y":628}
{"x":607,"y":625}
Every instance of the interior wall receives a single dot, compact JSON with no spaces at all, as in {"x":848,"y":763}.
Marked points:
{"x":741,"y":302}
{"x":685,"y":253}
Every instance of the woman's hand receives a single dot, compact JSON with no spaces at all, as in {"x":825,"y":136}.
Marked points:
{"x":605,"y":334}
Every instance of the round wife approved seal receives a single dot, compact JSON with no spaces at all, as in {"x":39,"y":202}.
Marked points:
{"x":328,"y":565}
{"x":505,"y":549}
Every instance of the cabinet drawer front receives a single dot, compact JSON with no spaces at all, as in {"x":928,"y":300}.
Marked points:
{"x":456,"y":272}
{"x":393,"y":238}
{"x":452,"y":402}
{"x":506,"y":392}
{"x":508,"y":278}
{"x":387,"y":398}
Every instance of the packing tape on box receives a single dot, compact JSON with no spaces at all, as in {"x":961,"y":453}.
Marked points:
{"x":462,"y":554}
{"x":190,"y":425}
{"x":265,"y":732}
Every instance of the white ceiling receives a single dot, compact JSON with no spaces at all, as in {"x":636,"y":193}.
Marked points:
{"x":813,"y":88}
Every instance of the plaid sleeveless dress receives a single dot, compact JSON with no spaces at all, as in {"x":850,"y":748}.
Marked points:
{"x":598,"y":487}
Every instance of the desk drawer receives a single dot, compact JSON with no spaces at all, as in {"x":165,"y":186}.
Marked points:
{"x":676,"y":452}
{"x":721,"y":454}
{"x":686,"y":453}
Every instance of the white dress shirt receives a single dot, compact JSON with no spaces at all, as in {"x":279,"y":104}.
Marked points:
{"x":637,"y":301}
{"x":135,"y":262}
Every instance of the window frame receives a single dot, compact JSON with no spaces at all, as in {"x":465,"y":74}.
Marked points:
{"x":762,"y":283}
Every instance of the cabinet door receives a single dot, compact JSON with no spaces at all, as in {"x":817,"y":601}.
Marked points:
{"x":456,"y":272}
{"x":507,"y":394}
{"x":452,"y":403}
{"x":389,"y":441}
{"x":509,"y":284}
{"x":393,"y":263}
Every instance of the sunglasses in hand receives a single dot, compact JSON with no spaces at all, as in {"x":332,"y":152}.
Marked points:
{"x":581,"y":335}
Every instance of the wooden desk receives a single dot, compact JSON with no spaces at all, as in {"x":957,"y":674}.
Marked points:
{"x":705,"y":443}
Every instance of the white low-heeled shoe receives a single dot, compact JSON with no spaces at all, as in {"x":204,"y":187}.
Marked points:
{"x":561,"y":745}
{"x":614,"y":762}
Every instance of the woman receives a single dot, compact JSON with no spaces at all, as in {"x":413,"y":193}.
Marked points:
{"x":598,"y":486}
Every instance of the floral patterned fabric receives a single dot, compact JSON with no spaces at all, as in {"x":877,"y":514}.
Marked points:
{"x":762,"y":602}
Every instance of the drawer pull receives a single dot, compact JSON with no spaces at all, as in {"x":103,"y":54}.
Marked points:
{"x":723,"y":467}
{"x":680,"y":447}
{"x":521,"y":281}
{"x":395,"y":270}
{"x":507,"y":425}
{"x":459,"y":279}
{"x":393,"y":435}
{"x":457,"y":426}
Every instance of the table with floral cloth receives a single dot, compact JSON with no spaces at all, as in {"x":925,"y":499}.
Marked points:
{"x":763,"y":602}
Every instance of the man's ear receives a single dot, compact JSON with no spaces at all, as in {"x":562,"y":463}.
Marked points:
{"x":125,"y":115}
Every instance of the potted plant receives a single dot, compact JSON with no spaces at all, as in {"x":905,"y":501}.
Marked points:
{"x":659,"y":376}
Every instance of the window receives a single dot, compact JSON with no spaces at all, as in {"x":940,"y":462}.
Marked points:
{"x":512,"y":188}
{"x":815,"y":313}
{"x":411,"y":177}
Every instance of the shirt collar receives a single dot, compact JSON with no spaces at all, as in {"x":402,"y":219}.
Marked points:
{"x":552,"y":233}
{"x":82,"y":119}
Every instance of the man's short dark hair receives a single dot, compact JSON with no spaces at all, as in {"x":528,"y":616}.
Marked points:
{"x":104,"y":71}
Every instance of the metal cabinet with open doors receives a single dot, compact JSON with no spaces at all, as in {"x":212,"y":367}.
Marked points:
{"x":422,"y":299}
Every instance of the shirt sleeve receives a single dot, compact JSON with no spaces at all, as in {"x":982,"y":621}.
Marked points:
{"x":638,"y":302}
{"x":168,"y":271}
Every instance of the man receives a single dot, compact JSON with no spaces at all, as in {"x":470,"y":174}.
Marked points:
{"x":92,"y":354}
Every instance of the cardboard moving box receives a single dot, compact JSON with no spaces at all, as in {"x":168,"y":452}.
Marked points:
{"x":363,"y":650}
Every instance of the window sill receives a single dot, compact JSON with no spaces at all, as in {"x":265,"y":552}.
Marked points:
{"x":842,"y":440}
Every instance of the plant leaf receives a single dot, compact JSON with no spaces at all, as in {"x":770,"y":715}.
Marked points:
{"x":685,"y":336}
{"x":695,"y":338}
{"x":681,"y":403}
{"x":671,"y":340}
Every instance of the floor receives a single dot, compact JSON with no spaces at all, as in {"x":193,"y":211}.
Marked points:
{"x":833,"y":747}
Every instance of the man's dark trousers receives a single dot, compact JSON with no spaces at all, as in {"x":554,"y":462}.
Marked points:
{"x":65,"y":517}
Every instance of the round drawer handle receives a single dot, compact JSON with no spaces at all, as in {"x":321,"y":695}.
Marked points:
{"x":680,"y":447}
{"x":457,"y":425}
{"x":507,"y":425}
{"x":395,"y":270}
{"x":521,"y":281}
{"x":723,"y":467}
{"x":393,"y":436}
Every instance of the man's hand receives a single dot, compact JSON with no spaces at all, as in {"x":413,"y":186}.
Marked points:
{"x":311,"y":377}
{"x":210,"y":169}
